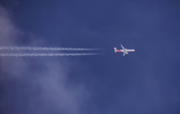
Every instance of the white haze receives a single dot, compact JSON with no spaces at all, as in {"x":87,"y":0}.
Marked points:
{"x":35,"y":85}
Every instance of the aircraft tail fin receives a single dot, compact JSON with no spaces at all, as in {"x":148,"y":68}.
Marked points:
{"x":115,"y":49}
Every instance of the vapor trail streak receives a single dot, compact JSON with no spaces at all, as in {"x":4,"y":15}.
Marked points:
{"x":45,"y":54}
{"x":46,"y":48}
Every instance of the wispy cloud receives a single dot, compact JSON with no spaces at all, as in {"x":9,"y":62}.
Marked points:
{"x":35,"y":85}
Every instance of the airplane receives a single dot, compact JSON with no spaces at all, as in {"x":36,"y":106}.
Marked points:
{"x":124,"y":50}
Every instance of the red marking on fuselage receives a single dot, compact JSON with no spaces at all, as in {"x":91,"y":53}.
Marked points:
{"x":118,"y":50}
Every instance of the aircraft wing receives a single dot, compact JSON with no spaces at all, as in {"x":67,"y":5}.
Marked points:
{"x":122,"y":47}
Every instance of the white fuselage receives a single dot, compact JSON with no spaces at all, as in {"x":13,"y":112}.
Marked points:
{"x":127,"y":50}
{"x":124,"y":50}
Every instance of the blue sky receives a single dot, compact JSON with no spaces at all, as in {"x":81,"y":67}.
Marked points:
{"x":146,"y":81}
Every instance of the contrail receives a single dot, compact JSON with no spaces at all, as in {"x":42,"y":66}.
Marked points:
{"x":46,"y":48}
{"x":44,"y":54}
